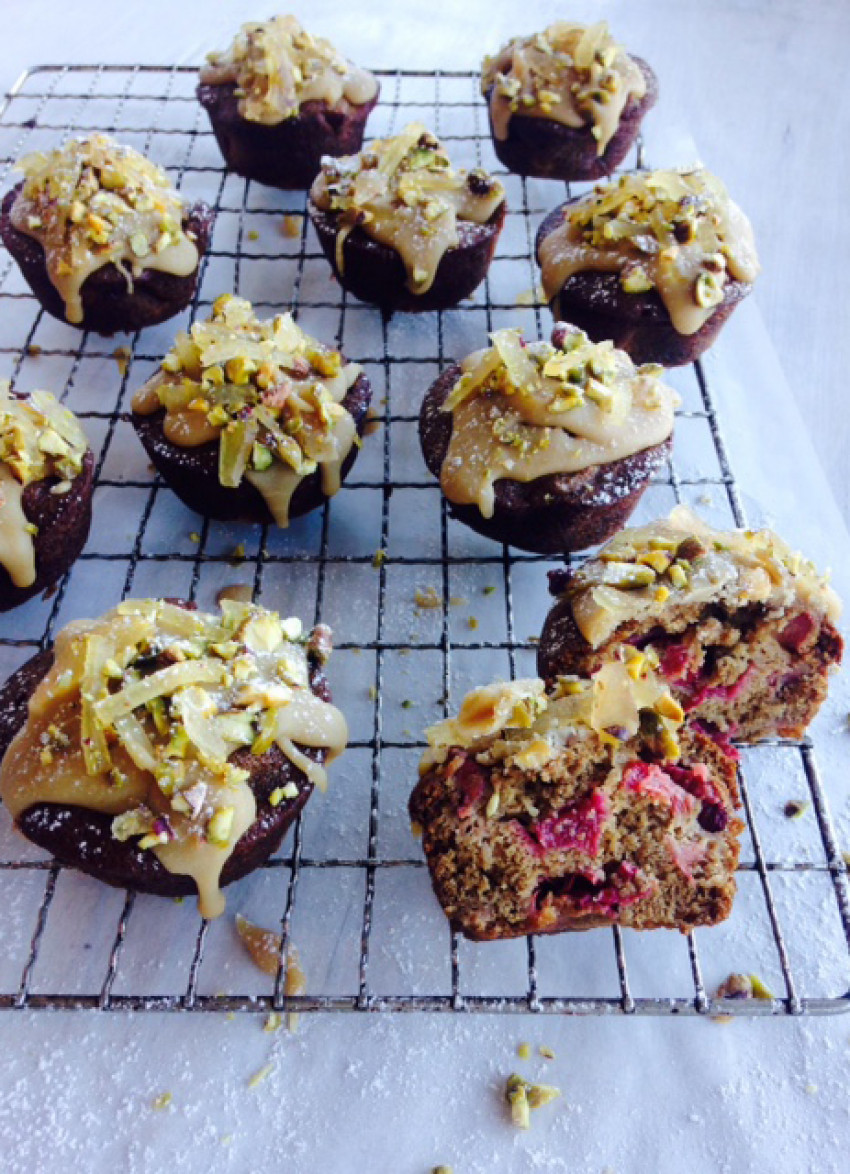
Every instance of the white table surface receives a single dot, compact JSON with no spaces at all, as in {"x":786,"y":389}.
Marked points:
{"x":751,"y":81}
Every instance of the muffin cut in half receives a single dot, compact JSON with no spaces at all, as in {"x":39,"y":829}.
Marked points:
{"x":739,"y":627}
{"x":102,"y":237}
{"x":586,"y":806}
{"x":566,"y":103}
{"x":252,"y":419}
{"x":165,"y":749}
{"x":656,"y":261}
{"x":546,"y":446}
{"x":402,"y":228}
{"x":279,"y":99}
{"x":46,"y":483}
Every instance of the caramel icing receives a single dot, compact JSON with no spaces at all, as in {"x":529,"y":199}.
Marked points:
{"x":522,"y":411}
{"x":404,"y":193}
{"x":570,"y":74}
{"x":520,"y":724}
{"x":277,"y":67}
{"x":111,"y":731}
{"x":94,"y":202}
{"x":680,"y":562}
{"x":267,"y":392}
{"x":677,"y":232}
{"x":39,"y":439}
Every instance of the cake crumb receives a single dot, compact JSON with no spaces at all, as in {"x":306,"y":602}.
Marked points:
{"x":546,"y":1052}
{"x":253,"y":235}
{"x":427,"y":598}
{"x":378,"y":559}
{"x":524,"y":1051}
{"x":121,"y":354}
{"x":291,"y":226}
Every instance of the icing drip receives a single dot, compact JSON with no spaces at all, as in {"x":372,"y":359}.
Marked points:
{"x":277,"y":67}
{"x":677,"y":232}
{"x":404,"y":193}
{"x":569,"y":74}
{"x":112,"y":731}
{"x":94,"y":202}
{"x":522,"y":411}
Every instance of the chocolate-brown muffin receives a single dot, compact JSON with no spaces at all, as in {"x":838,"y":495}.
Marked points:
{"x":252,"y":420}
{"x":401,"y":228}
{"x":103,"y":240}
{"x":655,"y":261}
{"x":587,"y":806}
{"x":46,"y":481}
{"x":280,"y":99}
{"x":547,"y":447}
{"x":566,"y":103}
{"x":180,"y":774}
{"x":740,"y":628}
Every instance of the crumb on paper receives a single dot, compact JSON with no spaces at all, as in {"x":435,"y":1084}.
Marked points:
{"x":522,"y":1096}
{"x":291,"y":226}
{"x":524,"y":1051}
{"x":472,"y":623}
{"x":488,"y":590}
{"x":260,"y":1075}
{"x":237,"y":555}
{"x":379,"y":558}
{"x":427,"y":598}
{"x":194,"y":537}
{"x":162,"y":1101}
{"x":794,"y":808}
{"x":34,"y":350}
{"x":457,"y":600}
{"x":253,"y":235}
{"x":534,"y":296}
{"x":546,"y":1052}
{"x":273,"y":1021}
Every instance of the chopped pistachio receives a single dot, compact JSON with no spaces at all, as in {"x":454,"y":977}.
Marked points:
{"x":378,"y":559}
{"x":546,"y":1052}
{"x":488,"y":590}
{"x":472,"y":623}
{"x":517,"y":1097}
{"x":162,"y":1101}
{"x":524,"y":1051}
{"x":407,"y":703}
{"x":253,"y":235}
{"x":260,"y":1075}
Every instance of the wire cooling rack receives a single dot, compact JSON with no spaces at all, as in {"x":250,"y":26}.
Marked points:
{"x":349,"y":889}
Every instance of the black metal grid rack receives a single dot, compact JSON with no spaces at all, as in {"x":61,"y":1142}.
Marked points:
{"x":349,"y":888}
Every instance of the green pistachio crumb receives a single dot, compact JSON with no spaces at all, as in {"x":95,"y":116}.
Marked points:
{"x":378,"y":559}
{"x":472,"y":622}
{"x":546,"y":1052}
{"x":194,"y":536}
{"x":162,"y":1101}
{"x":489,"y":589}
{"x":407,"y":703}
{"x":760,"y":990}
{"x":253,"y":235}
{"x":260,"y":1075}
{"x":524,"y":1051}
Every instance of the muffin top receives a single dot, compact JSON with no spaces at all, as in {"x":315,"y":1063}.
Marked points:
{"x":268,"y":393}
{"x":39,"y":440}
{"x":404,"y":192}
{"x":569,"y":73}
{"x":526,"y":410}
{"x":678,"y":562}
{"x":277,"y":67}
{"x":94,"y":202}
{"x":519,"y":723}
{"x":141,"y":711}
{"x":676,"y":232}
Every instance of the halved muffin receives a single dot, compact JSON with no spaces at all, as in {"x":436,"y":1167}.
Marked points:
{"x":740,"y":627}
{"x":586,"y":806}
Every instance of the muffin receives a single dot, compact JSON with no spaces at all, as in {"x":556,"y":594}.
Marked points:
{"x":740,"y":628}
{"x":590,"y":805}
{"x":566,"y":103}
{"x":546,"y":446}
{"x":167,"y":750}
{"x":402,"y":228}
{"x":101,"y":236}
{"x":46,"y":476}
{"x":252,"y":419}
{"x":279,"y":99}
{"x":656,"y":261}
